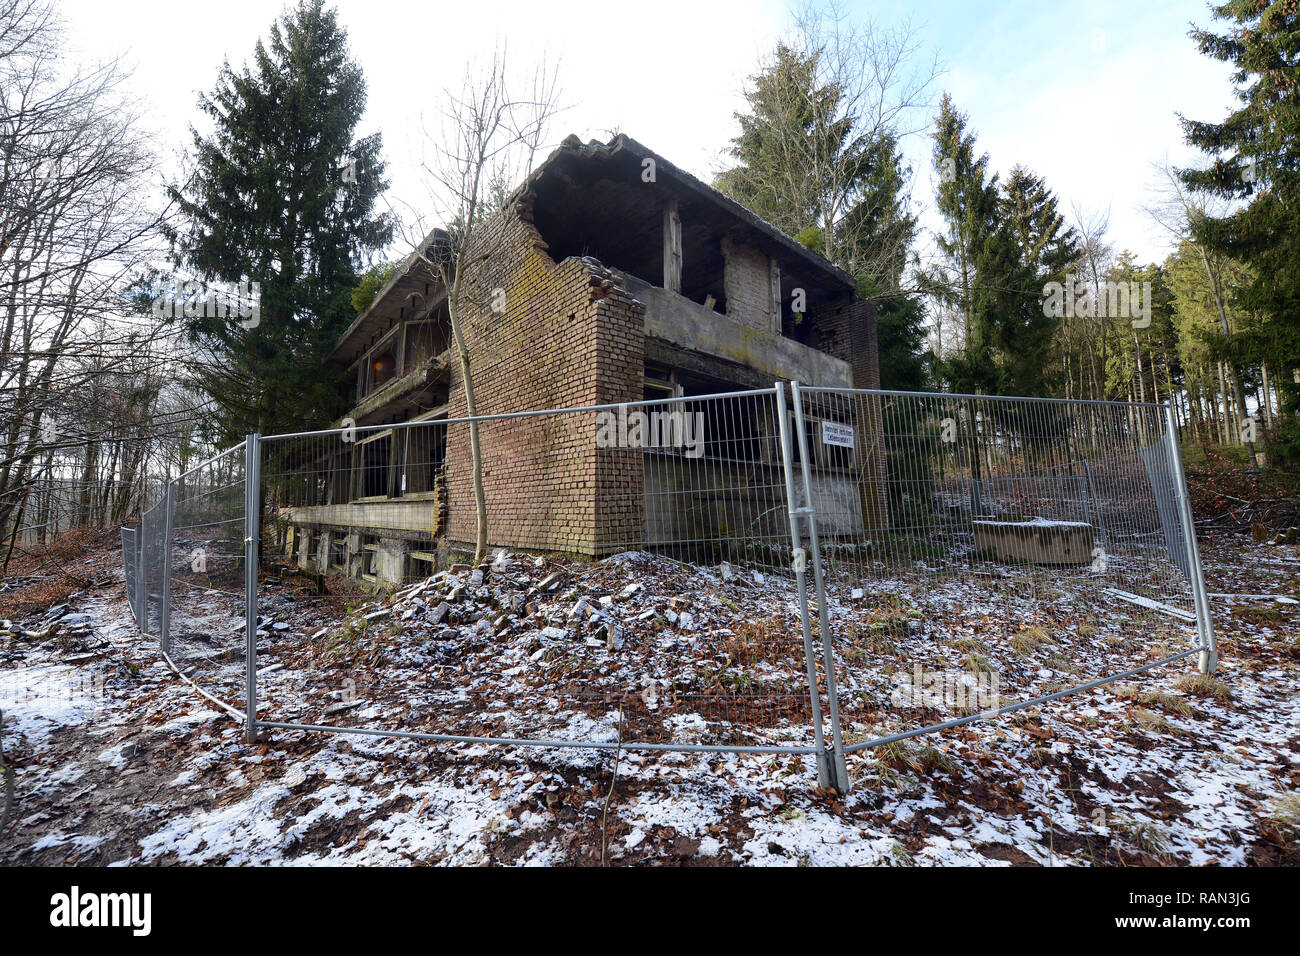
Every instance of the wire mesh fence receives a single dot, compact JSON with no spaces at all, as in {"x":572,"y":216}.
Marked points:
{"x":984,"y":552}
{"x":794,"y":570}
{"x":598,"y":520}
{"x":131,"y":567}
{"x":206,"y":569}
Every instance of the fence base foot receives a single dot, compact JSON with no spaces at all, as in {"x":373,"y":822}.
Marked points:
{"x":832,"y":774}
{"x":1207,"y":662}
{"x":251,"y":734}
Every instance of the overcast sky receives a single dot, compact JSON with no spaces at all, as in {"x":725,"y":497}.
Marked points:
{"x":1085,"y":96}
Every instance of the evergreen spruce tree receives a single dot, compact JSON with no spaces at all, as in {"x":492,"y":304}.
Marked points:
{"x":1256,"y":152}
{"x":795,"y":128}
{"x":282,"y":194}
{"x":966,"y":197}
{"x":1002,"y":245}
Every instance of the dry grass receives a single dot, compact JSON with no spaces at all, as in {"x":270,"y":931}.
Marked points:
{"x":756,"y":642}
{"x":1156,"y":723}
{"x":1025,"y":642}
{"x":1284,"y":818}
{"x":888,"y":759}
{"x":1147,"y":837}
{"x":1169,"y":703}
{"x":359,"y":643}
{"x":1203,"y":685}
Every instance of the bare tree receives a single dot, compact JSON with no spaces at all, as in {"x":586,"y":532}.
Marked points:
{"x":1175,"y":210}
{"x":488,"y":140}
{"x":73,"y":227}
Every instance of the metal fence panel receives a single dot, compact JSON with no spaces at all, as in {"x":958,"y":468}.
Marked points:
{"x":724,"y":572}
{"x":982,"y":551}
{"x":1156,"y":458}
{"x":130,"y":563}
{"x":653,"y":500}
{"x":153,"y":536}
{"x":204,"y":575}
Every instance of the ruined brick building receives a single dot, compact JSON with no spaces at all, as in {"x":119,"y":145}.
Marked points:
{"x":610,"y":276}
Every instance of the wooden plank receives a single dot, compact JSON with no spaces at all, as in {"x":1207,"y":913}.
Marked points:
{"x":672,"y":247}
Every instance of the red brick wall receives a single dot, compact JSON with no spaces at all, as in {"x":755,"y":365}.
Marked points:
{"x":567,"y":337}
{"x":848,"y":332}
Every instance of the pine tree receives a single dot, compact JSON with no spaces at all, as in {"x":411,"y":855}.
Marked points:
{"x":1002,"y":245}
{"x":282,"y":194}
{"x":805,"y":165}
{"x":1256,"y":152}
{"x":967,"y":199}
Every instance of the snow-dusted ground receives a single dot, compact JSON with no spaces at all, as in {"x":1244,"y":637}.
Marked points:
{"x":119,"y":762}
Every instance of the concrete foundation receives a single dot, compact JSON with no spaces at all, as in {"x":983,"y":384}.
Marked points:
{"x":1035,"y":541}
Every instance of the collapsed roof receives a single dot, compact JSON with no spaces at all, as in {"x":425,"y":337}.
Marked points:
{"x":599,"y":200}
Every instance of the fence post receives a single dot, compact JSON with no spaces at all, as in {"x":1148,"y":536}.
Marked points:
{"x":1208,"y":659}
{"x":141,"y":591}
{"x":252,"y":506}
{"x":838,"y":770}
{"x":825,"y":770}
{"x":164,"y":612}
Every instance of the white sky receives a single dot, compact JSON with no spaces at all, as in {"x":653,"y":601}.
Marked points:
{"x":1090,"y":111}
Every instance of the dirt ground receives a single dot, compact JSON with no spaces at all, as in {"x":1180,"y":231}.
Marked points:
{"x":117,"y":761}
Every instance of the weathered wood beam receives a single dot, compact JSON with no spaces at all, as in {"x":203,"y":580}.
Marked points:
{"x":672,"y":247}
{"x":774,"y":285}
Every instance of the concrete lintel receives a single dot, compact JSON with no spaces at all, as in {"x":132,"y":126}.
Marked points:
{"x":680,"y":322}
{"x":389,"y":393}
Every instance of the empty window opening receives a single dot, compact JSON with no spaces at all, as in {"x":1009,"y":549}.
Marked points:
{"x":374,"y":466}
{"x":426,"y":450}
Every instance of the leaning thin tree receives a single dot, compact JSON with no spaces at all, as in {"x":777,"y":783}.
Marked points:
{"x":489,"y":140}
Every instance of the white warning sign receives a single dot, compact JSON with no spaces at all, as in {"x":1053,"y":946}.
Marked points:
{"x":833,"y":433}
